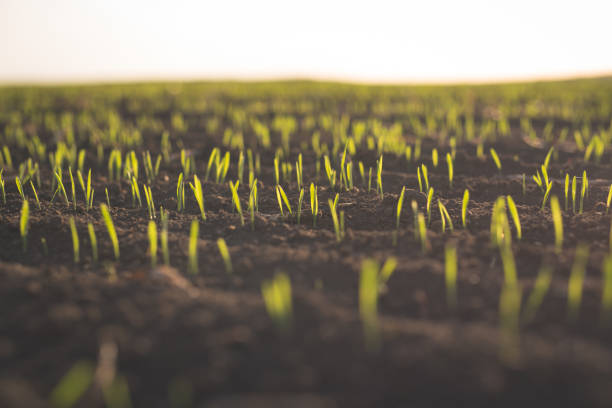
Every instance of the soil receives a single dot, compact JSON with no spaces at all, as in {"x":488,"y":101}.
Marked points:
{"x":209,"y":334}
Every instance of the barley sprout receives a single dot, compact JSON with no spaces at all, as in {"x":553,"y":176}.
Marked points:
{"x":336,"y":221}
{"x":548,"y":188}
{"x":449,"y":162}
{"x":180,"y":194}
{"x":299,"y":208}
{"x":445,"y":217}
{"x":194,"y":232}
{"x":276,"y":172}
{"x":225,"y":255}
{"x":464,"y":207}
{"x":314,"y":203}
{"x":425,"y":175}
{"x":379,"y":185}
{"x":576,"y":281}
{"x":236,"y":199}
{"x":419,"y":179}
{"x":110,"y":228}
{"x":35,"y":194}
{"x":557,"y":223}
{"x":75,"y":240}
{"x":540,"y":288}
{"x":24,"y":220}
{"x":196,"y":187}
{"x":299,"y":171}
{"x":20,"y":188}
{"x":107,"y":197}
{"x":400,"y":203}
{"x":428,"y":206}
{"x":515,"y":216}
{"x":93,"y":241}
{"x":450,"y":275}
{"x":368,"y":302}
{"x":434,"y":157}
{"x":495,"y":158}
{"x":609,"y":199}
{"x":152,"y":234}
{"x":583,"y":190}
{"x":277,"y":299}
{"x":282,"y":198}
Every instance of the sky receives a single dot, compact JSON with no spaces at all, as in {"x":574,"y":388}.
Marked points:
{"x":367,"y":41}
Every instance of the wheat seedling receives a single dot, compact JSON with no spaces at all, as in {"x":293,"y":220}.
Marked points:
{"x":314,"y":203}
{"x":35,"y":194}
{"x":75,"y":240}
{"x":196,"y":187}
{"x":464,"y":207}
{"x":24,"y":221}
{"x":398,"y":213}
{"x":495,"y":158}
{"x":194,"y":232}
{"x":2,"y":187}
{"x":515,"y":217}
{"x":225,"y":255}
{"x":428,"y":205}
{"x":449,"y":162}
{"x":450,"y":275}
{"x":555,"y":210}
{"x":152,"y":234}
{"x":277,"y":299}
{"x":583,"y":190}
{"x":299,"y":207}
{"x":110,"y":228}
{"x":609,"y":199}
{"x":445,"y":217}
{"x":282,"y":198}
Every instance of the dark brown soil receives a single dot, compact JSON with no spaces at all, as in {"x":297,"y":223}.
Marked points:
{"x":211,"y":332}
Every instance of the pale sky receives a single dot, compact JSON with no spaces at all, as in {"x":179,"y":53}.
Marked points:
{"x":374,"y":41}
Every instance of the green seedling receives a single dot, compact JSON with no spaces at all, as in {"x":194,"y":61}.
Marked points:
{"x":276,"y":172}
{"x":24,"y":222}
{"x":509,"y":265}
{"x":110,"y":228}
{"x":152,"y":234}
{"x":299,"y":207}
{"x":329,"y":172}
{"x":89,"y":193}
{"x":136,"y":193}
{"x":196,"y":187}
{"x":434,"y":157}
{"x":608,"y":199}
{"x":282,"y":198}
{"x":386,"y":271}
{"x":449,"y":163}
{"x":241,"y":167}
{"x":314,"y":204}
{"x":583,"y":190}
{"x":163,"y":215}
{"x":539,"y":291}
{"x":299,"y":172}
{"x":149,"y":201}
{"x":75,"y":240}
{"x":515,"y":217}
{"x":495,"y":158}
{"x":73,"y":385}
{"x":277,"y":299}
{"x":93,"y":241}
{"x":464,"y":207}
{"x":338,"y":227}
{"x":445,"y":217}
{"x":555,"y":210}
{"x":362,"y":173}
{"x":398,"y":213}
{"x":546,"y":194}
{"x":379,"y":169}
{"x":225,"y":255}
{"x":425,"y":176}
{"x":450,"y":275}
{"x":253,"y":203}
{"x":194,"y":232}
{"x":211,"y":159}
{"x":524,"y":186}
{"x":368,"y":303}
{"x":20,"y":188}
{"x":428,"y":205}
{"x":369,"y":179}
{"x":107,"y":197}
{"x":576,"y":282}
{"x":35,"y":194}
{"x":180,"y":194}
